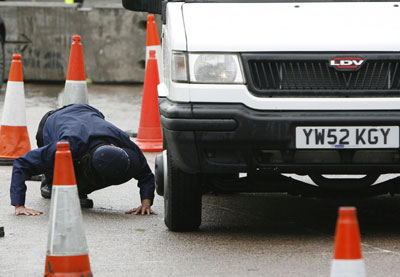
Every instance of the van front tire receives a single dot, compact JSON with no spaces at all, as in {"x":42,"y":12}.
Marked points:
{"x":182,"y":199}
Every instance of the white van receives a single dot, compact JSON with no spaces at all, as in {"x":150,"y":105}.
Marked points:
{"x":254,"y":89}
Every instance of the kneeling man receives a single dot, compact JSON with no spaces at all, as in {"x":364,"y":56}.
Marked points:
{"x":103,"y":155}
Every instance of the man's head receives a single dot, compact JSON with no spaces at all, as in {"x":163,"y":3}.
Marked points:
{"x":110,"y":161}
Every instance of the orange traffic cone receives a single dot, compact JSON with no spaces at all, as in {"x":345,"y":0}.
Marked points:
{"x":75,"y":91}
{"x":14,"y":138}
{"x":153,"y":43}
{"x":149,"y":136}
{"x":347,"y":259}
{"x":67,"y":251}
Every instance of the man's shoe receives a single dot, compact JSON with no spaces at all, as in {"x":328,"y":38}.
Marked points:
{"x":45,"y":190}
{"x":85,"y":202}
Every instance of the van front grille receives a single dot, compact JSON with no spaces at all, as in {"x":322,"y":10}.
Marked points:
{"x":305,"y":75}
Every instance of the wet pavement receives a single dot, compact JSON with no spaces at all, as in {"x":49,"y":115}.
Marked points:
{"x":241,"y":234}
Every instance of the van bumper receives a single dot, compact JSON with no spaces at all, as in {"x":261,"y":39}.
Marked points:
{"x":231,"y":138}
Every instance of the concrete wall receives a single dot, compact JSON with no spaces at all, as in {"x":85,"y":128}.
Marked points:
{"x":113,"y":38}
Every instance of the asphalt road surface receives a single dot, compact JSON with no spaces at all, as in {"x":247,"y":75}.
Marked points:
{"x":241,"y":234}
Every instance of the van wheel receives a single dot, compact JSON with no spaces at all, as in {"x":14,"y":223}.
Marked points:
{"x":346,"y":184}
{"x":182,"y":199}
{"x":160,"y":173}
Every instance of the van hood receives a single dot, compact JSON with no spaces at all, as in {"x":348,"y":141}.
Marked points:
{"x":253,"y":27}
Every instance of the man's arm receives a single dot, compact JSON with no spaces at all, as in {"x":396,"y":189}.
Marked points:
{"x":142,"y":172}
{"x":147,"y":186}
{"x":146,"y":183}
{"x":32,"y":163}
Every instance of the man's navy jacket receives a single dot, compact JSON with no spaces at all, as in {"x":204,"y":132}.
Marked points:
{"x":84,"y":128}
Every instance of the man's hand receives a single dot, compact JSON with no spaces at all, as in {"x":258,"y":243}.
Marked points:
{"x":21,"y":210}
{"x":144,"y":209}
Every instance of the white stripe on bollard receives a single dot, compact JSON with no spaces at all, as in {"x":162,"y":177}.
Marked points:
{"x":348,"y":268}
{"x":66,"y":237}
{"x":75,"y":92}
{"x":14,"y":105}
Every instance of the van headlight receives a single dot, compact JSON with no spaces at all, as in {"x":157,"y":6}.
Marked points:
{"x":215,"y":68}
{"x":209,"y":68}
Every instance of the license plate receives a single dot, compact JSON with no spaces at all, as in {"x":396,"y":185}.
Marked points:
{"x":322,"y":137}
